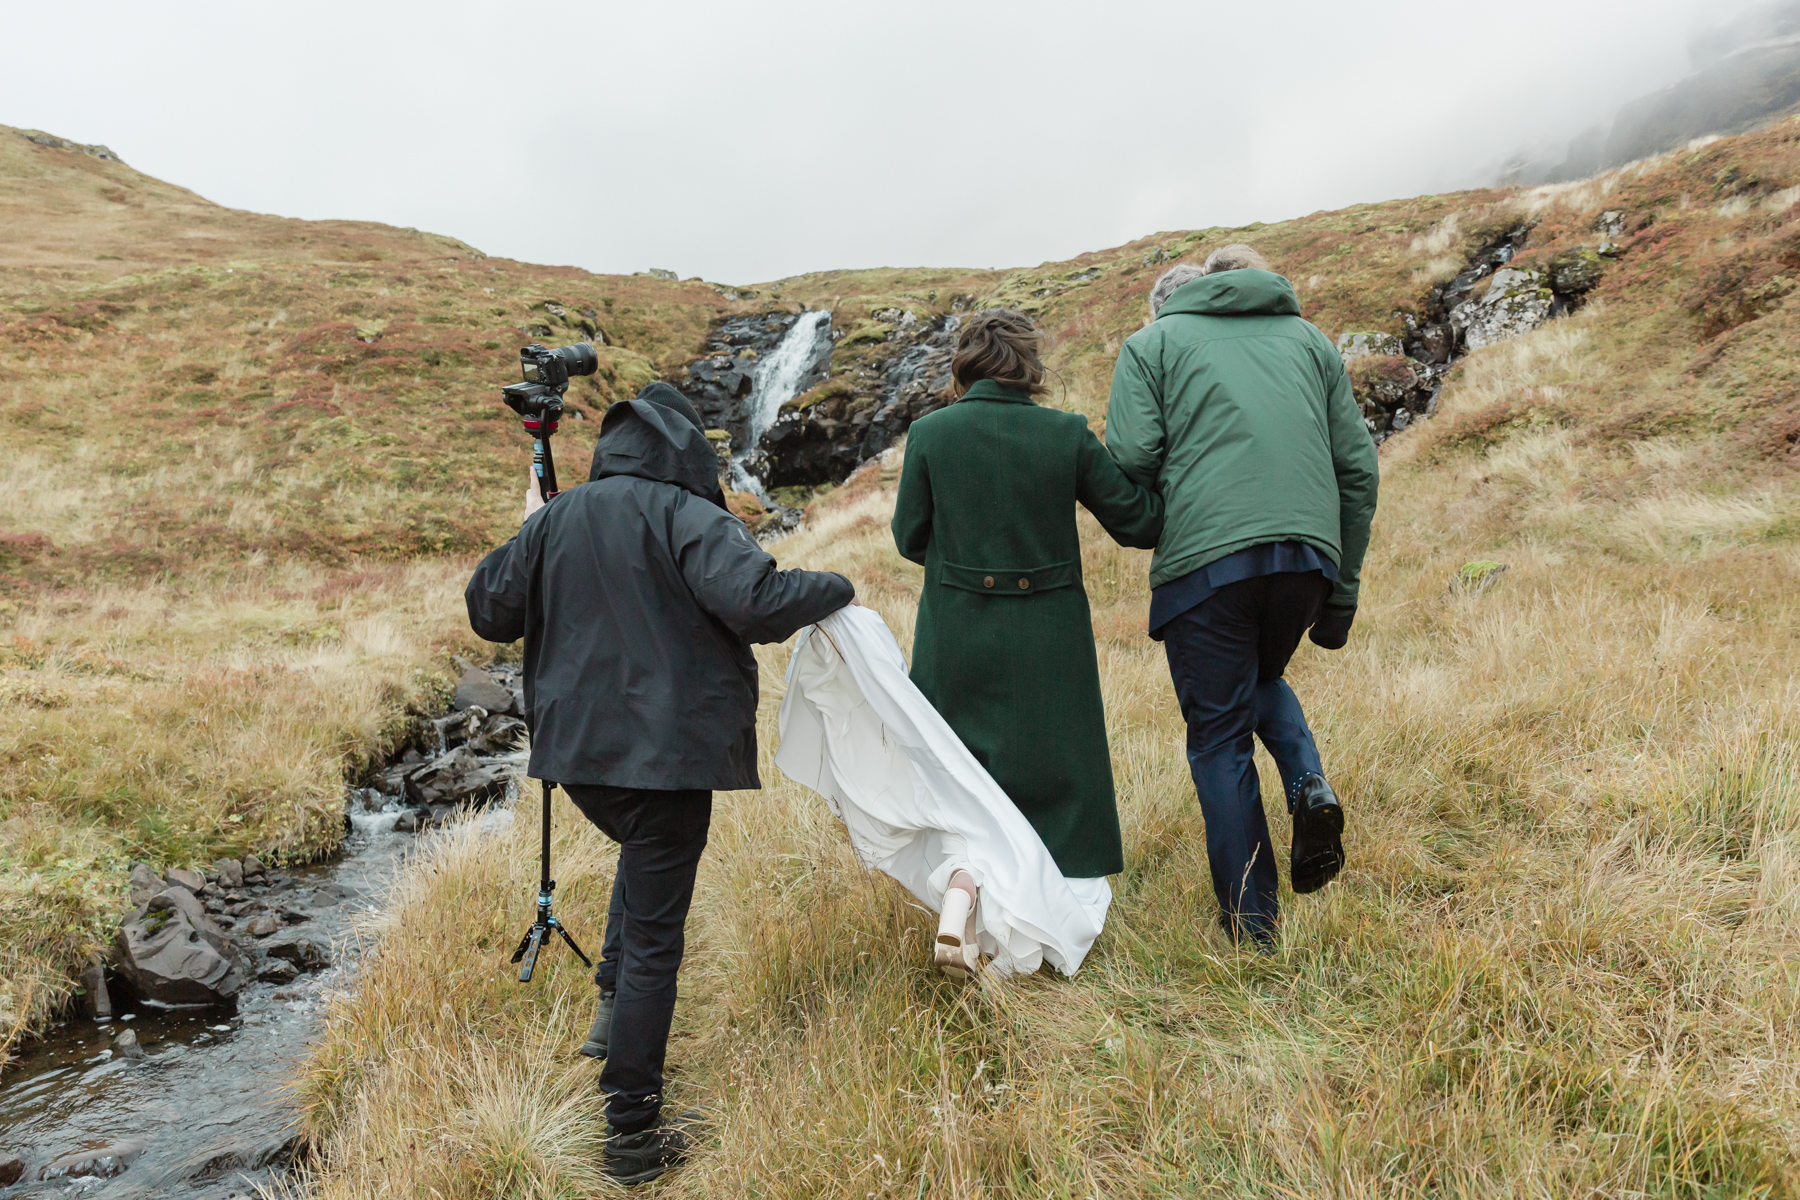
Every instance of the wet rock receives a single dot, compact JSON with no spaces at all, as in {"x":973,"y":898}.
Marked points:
{"x":96,"y":1001}
{"x":193,"y":881}
{"x":330,"y":893}
{"x":456,"y":778}
{"x":278,"y":970}
{"x":253,"y":867}
{"x":11,"y":1171}
{"x":1433,"y":343}
{"x":1516,"y":302}
{"x":103,"y":1163}
{"x":722,"y":381}
{"x":497,"y":735}
{"x":306,"y":952}
{"x":171,"y":952}
{"x":126,"y":1046}
{"x":293,"y":915}
{"x":263,"y":926}
{"x":230,"y":872}
{"x":144,"y":884}
{"x":477,"y":688}
{"x":407,"y":822}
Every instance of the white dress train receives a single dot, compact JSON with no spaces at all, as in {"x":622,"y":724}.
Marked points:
{"x":916,"y":803}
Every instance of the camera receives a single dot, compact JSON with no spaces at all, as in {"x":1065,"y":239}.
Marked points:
{"x":538,"y":400}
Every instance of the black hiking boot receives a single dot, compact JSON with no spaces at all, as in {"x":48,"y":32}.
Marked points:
{"x":1318,"y":849}
{"x":634,"y":1158}
{"x":601,"y":1031}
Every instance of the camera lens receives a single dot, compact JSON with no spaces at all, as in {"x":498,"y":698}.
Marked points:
{"x":580,"y":358}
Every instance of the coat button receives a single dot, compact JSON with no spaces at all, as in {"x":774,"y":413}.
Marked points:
{"x":1024,"y":583}
{"x":987,"y":581}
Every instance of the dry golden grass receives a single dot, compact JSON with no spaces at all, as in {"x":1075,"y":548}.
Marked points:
{"x":1562,"y":960}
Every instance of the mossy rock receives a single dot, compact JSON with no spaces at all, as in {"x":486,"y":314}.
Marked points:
{"x":1574,"y":272}
{"x":831,"y":389}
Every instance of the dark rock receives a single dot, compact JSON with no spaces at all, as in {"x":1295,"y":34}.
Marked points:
{"x":1575,"y":272}
{"x":241,"y":909}
{"x":11,"y":1171}
{"x":126,"y":1046}
{"x":407,"y":822}
{"x":96,"y":1001}
{"x":497,"y":735}
{"x":145,"y":883}
{"x":477,"y":688}
{"x":722,"y":381}
{"x":456,"y":778}
{"x":171,"y":952}
{"x":103,"y":1163}
{"x":253,"y":866}
{"x":295,"y":916}
{"x":278,"y":970}
{"x":214,"y":905}
{"x":193,"y":881}
{"x":303,"y":950}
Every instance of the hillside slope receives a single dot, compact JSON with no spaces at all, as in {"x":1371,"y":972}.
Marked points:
{"x":1563,"y":959}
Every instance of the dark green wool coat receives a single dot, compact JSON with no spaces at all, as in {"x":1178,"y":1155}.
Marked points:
{"x":1004,"y":646}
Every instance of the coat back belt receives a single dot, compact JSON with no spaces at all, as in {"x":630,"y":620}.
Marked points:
{"x":1010,"y":581}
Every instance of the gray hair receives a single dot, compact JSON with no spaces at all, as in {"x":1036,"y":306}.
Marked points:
{"x":1171,"y":279}
{"x":1236,"y":257}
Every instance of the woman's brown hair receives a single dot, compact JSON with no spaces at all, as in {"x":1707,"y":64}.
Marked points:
{"x":1003,"y":345}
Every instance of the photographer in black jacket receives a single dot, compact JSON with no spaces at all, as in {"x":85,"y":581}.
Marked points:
{"x":638,"y":595}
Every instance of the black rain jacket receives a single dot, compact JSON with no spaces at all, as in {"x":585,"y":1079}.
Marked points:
{"x":637,"y":595}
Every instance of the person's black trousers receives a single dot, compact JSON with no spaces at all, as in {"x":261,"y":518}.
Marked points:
{"x":660,"y":836}
{"x":1226,"y":657}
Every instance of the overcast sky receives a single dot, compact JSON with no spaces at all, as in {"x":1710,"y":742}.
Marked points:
{"x":748,"y":141}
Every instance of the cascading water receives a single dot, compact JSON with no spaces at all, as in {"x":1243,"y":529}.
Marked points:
{"x":779,"y":378}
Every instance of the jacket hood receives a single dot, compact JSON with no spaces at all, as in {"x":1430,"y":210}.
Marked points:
{"x":657,"y":435}
{"x":1234,"y":293}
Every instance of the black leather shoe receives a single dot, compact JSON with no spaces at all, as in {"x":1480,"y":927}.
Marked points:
{"x":1318,"y":849}
{"x":601,"y":1031}
{"x":634,"y":1158}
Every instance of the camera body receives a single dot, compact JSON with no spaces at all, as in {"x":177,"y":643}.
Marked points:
{"x":538,"y":400}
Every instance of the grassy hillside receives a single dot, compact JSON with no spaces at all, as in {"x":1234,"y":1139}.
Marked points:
{"x":1562,"y":961}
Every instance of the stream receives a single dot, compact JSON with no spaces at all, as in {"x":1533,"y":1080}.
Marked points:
{"x":206,"y":1111}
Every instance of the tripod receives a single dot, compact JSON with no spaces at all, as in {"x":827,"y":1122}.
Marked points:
{"x":538,"y":936}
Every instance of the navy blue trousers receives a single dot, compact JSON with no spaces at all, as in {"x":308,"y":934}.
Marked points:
{"x":660,"y":836}
{"x":1226,"y":657}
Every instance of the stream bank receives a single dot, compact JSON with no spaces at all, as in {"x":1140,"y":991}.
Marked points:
{"x":174,"y":1082}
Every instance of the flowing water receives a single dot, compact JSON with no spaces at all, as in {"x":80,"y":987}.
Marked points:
{"x":208,"y":1112}
{"x":779,"y":378}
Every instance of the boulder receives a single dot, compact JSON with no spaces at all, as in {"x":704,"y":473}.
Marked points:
{"x":407,"y":822}
{"x":230,"y":872}
{"x":126,"y":1045}
{"x":171,"y":952}
{"x":1575,"y":272}
{"x":497,"y":735}
{"x":477,"y":688}
{"x":1358,"y":345}
{"x":306,"y":952}
{"x":1515,"y":302}
{"x":144,"y":884}
{"x":193,"y":881}
{"x":263,"y":926}
{"x":253,"y":867}
{"x":11,"y":1171}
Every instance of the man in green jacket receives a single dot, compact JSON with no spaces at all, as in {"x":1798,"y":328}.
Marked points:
{"x":1240,"y":413}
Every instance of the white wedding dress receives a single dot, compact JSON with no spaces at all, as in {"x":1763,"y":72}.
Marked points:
{"x":916,"y":803}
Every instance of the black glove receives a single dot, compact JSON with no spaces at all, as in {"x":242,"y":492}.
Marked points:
{"x":1332,"y":629}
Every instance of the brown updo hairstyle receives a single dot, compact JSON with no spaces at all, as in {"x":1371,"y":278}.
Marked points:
{"x":1003,"y":345}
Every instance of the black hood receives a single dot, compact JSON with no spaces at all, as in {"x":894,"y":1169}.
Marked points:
{"x":658,"y":435}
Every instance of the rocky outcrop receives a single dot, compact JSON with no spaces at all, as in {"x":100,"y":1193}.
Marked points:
{"x":720,"y":382}
{"x":1397,"y":380}
{"x":823,"y":435}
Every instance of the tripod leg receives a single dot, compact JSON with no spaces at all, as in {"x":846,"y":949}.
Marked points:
{"x":585,"y":960}
{"x":534,"y":941}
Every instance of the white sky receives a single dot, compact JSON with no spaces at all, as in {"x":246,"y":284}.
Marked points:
{"x":749,"y":141}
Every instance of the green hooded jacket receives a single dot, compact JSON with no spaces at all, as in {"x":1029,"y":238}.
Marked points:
{"x":1239,"y":412}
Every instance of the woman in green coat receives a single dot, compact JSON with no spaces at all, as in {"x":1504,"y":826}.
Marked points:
{"x":1004,"y":645}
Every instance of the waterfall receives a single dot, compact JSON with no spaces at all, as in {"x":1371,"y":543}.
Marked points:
{"x":779,"y":378}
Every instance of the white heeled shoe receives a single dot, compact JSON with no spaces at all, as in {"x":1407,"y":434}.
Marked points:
{"x":957,"y":952}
